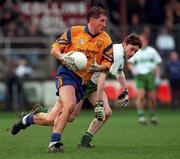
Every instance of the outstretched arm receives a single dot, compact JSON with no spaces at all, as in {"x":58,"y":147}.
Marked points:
{"x":122,"y":79}
{"x":123,"y":97}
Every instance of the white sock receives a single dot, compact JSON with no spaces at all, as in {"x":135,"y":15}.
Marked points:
{"x":24,"y":119}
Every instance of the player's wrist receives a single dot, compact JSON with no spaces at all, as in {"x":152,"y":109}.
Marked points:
{"x":125,"y":91}
{"x":102,"y":67}
{"x":123,"y":94}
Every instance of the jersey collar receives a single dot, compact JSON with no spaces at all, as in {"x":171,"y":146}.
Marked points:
{"x":124,"y":56}
{"x":86,"y":29}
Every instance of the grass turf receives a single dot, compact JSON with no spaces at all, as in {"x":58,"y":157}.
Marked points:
{"x":122,"y":137}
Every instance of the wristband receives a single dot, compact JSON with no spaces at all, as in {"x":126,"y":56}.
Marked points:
{"x":125,"y":90}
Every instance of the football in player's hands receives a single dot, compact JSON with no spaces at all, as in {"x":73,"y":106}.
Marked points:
{"x":66,"y":58}
{"x":80,"y":59}
{"x":74,"y":60}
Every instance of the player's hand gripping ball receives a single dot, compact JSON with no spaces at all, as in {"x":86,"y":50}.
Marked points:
{"x":75,"y":60}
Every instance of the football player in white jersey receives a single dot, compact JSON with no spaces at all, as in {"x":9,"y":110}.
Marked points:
{"x":144,"y":67}
{"x":95,"y":91}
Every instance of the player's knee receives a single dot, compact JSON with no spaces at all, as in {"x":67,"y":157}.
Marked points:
{"x":151,"y":98}
{"x":49,"y":121}
{"x":69,"y":109}
{"x":140,"y":96}
{"x":71,"y":118}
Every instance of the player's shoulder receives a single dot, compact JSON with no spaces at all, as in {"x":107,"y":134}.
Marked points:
{"x":116,"y":45}
{"x":118,"y":49}
{"x":151,"y":48}
{"x":77,"y":28}
{"x":106,"y":36}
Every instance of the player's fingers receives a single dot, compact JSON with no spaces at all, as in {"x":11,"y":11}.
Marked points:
{"x":125,"y":103}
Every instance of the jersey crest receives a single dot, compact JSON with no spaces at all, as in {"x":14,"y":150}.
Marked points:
{"x":99,"y":43}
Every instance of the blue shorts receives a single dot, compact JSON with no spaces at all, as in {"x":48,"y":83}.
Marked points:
{"x":66,"y":77}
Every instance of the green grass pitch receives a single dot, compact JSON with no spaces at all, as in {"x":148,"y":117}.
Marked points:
{"x":122,"y":137}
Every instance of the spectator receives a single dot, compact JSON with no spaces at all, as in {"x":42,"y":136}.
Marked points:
{"x":165,"y":42}
{"x":172,"y":11}
{"x":135,"y":26}
{"x":146,"y":30}
{"x":173,"y":72}
{"x":22,"y":72}
{"x":141,"y":10}
{"x":10,"y":82}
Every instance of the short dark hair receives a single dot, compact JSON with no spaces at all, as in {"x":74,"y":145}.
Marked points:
{"x":133,"y":39}
{"x":96,"y":12}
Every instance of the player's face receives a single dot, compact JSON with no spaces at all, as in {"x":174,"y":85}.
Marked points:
{"x":99,"y":24}
{"x":130,"y":50}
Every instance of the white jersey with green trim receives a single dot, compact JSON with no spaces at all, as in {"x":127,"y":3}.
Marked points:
{"x":118,"y":64}
{"x":145,"y":60}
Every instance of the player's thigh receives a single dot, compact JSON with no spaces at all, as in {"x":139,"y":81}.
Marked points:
{"x":140,"y":93}
{"x":93,"y":98}
{"x":76,"y":111}
{"x":106,"y":104}
{"x":67,"y":96}
{"x":56,"y":110}
{"x":151,"y":95}
{"x":77,"y":108}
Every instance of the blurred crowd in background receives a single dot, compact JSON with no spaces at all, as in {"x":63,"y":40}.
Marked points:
{"x":28,"y":27}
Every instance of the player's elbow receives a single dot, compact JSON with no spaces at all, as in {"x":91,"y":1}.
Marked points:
{"x":52,"y":52}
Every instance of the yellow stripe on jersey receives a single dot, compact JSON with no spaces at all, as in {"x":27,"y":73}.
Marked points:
{"x":95,"y":47}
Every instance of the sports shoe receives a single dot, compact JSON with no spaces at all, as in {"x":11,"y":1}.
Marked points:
{"x":55,"y":147}
{"x":86,"y":146}
{"x":18,"y":126}
{"x":142,"y":120}
{"x":153,"y":120}
{"x":35,"y":109}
